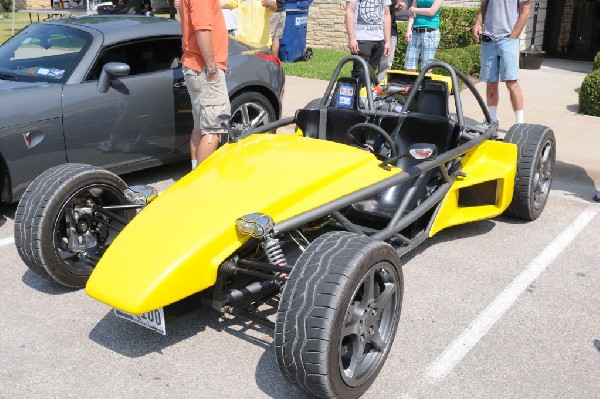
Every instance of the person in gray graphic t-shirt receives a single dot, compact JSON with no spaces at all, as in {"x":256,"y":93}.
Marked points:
{"x":368,"y":24}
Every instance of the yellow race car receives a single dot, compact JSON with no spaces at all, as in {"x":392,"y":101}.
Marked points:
{"x":317,"y":220}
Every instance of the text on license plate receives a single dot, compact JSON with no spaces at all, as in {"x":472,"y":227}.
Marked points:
{"x":154,"y":320}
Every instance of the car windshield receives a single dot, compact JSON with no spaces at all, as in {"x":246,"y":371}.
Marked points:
{"x":43,"y":53}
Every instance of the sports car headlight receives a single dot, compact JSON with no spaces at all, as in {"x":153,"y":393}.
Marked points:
{"x":256,"y":225}
{"x":140,"y":195}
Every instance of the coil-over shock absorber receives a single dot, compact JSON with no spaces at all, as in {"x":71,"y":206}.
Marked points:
{"x":273,"y":250}
{"x":260,"y":225}
{"x":274,"y":254}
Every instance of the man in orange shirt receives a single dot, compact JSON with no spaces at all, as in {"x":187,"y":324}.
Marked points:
{"x":205,"y":44}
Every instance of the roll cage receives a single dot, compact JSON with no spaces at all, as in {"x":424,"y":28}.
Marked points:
{"x":412,"y":125}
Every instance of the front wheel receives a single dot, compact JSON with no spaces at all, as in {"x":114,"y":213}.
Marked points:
{"x":535,"y":164}
{"x":338,"y":315}
{"x":61,"y":230}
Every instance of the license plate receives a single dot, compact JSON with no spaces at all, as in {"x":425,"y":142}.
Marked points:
{"x":154,"y":320}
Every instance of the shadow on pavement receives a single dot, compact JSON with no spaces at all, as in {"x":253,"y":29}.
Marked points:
{"x":269,"y":379}
{"x":7,"y":212}
{"x":43,"y":285}
{"x":183,"y":319}
{"x":133,"y":341}
{"x":573,"y":180}
{"x":568,"y":65}
{"x":467,"y":230}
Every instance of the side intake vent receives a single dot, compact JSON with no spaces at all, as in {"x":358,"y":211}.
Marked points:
{"x":479,"y":194}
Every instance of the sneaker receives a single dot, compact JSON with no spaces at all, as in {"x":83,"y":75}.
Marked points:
{"x":496,"y":123}
{"x":105,"y":146}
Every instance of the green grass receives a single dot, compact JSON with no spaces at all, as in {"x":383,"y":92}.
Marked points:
{"x":320,"y":66}
{"x":21,"y":21}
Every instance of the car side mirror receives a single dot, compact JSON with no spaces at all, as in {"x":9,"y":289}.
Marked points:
{"x":108,"y":71}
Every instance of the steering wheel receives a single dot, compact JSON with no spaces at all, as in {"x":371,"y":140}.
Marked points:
{"x":351,"y":139}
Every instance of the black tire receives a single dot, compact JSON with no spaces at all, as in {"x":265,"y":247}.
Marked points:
{"x":44,"y":215}
{"x":323,"y":315}
{"x":535,"y":164}
{"x":307,"y":54}
{"x":250,"y":110}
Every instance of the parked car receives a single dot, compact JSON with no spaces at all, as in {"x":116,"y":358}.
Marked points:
{"x":57,"y":107}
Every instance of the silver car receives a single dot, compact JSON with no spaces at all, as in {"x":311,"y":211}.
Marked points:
{"x":108,"y":90}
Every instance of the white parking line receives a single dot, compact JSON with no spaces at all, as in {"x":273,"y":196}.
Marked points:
{"x":7,"y":241}
{"x":480,"y":326}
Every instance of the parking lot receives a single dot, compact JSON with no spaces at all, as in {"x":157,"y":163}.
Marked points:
{"x":497,"y":308}
{"x":492,"y":309}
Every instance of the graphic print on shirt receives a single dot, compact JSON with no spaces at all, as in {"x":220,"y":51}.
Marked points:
{"x":370,"y":16}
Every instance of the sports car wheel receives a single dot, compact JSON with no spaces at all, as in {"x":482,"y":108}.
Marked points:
{"x":535,"y":163}
{"x":338,"y":315}
{"x":59,"y":233}
{"x":250,"y":110}
{"x":352,"y":139}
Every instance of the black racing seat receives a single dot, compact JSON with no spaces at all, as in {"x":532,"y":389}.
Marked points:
{"x":430,"y":123}
{"x":333,"y":121}
{"x":433,"y":98}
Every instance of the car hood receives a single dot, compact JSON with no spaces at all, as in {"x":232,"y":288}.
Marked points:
{"x":174,"y":247}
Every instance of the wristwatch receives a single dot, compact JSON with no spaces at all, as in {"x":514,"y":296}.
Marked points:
{"x":212,"y":69}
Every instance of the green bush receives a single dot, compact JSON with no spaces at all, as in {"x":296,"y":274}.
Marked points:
{"x":596,"y":62}
{"x":474,"y":51}
{"x":589,"y":94}
{"x":459,"y":58}
{"x":401,"y":44}
{"x":455,"y":26}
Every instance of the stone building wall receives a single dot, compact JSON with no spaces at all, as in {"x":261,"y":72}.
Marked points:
{"x":326,"y":28}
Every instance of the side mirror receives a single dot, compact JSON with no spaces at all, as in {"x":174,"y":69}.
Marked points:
{"x":422,"y":151}
{"x":108,"y":71}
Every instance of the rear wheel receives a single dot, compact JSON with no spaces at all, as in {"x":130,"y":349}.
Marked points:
{"x":535,"y":164}
{"x":250,"y":110}
{"x":59,"y":232}
{"x":338,"y":315}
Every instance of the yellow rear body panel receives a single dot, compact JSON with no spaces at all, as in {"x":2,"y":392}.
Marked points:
{"x":491,"y":161}
{"x":174,"y":247}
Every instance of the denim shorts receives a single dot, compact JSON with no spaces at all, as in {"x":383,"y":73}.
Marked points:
{"x":499,"y":60}
{"x":209,"y":99}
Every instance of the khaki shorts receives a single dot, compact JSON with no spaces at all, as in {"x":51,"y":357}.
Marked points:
{"x":209,"y":100}
{"x":277,"y":24}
